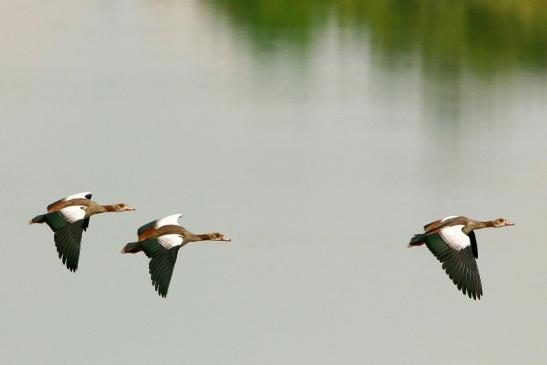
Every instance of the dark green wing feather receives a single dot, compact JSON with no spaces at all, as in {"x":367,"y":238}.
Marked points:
{"x":161,"y":270}
{"x":460,"y":265}
{"x":161,"y":265}
{"x":67,"y":241}
{"x":56,"y":221}
{"x":152,"y":247}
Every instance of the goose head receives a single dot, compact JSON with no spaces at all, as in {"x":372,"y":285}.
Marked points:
{"x":219,"y":237}
{"x":502,"y":222}
{"x":121,"y":207}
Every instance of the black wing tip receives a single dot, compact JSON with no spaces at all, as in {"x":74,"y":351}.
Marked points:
{"x":161,"y":291}
{"x":71,"y":267}
{"x":474,"y":296}
{"x":67,"y":241}
{"x":88,"y":196}
{"x":160,"y":267}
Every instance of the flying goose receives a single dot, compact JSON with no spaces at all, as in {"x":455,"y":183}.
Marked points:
{"x":68,"y":217}
{"x":453,"y":243}
{"x":161,"y":240}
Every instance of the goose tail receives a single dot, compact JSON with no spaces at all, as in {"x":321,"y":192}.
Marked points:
{"x":417,"y":240}
{"x":37,"y":219}
{"x":132,"y":247}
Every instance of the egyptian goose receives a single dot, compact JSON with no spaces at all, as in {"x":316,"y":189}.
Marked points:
{"x":453,"y":243}
{"x":161,"y":240}
{"x":68,"y":217}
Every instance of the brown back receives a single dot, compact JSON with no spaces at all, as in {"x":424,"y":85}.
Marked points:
{"x":60,"y":204}
{"x":156,"y":232}
{"x":438,"y":225}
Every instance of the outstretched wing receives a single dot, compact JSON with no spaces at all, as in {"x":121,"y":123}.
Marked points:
{"x":67,"y":241}
{"x":455,"y":252}
{"x":147,"y":230}
{"x":61,"y":202}
{"x":430,"y":227}
{"x":161,"y":265}
{"x":56,"y":221}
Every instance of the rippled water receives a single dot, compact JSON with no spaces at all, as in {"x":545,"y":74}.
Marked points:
{"x":319,"y":135}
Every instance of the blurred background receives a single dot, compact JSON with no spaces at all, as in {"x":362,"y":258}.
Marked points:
{"x":319,"y":135}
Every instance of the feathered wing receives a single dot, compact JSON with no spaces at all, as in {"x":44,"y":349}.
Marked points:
{"x":67,"y":235}
{"x":67,"y":241}
{"x":430,"y":227}
{"x":459,"y":264}
{"x":55,"y":205}
{"x":55,"y":221}
{"x":147,"y":230}
{"x":161,"y":265}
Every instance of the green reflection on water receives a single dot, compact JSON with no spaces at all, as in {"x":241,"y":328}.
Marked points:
{"x":485,"y":36}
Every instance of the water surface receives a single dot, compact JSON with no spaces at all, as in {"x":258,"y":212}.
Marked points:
{"x":319,"y":136}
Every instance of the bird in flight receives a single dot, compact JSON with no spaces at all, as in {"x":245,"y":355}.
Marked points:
{"x":161,"y":240}
{"x":452,"y":241}
{"x":68,"y":218}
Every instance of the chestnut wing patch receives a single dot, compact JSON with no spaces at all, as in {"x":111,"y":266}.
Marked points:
{"x":145,"y":228}
{"x":150,"y":229}
{"x":61,"y":202}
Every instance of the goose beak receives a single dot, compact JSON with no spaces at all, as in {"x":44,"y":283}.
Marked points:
{"x":130,"y":209}
{"x":509,"y":224}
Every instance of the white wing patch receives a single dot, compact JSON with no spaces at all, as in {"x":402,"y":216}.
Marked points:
{"x":170,"y":240}
{"x":73,"y":213}
{"x":78,"y":196}
{"x":455,"y":237}
{"x":449,"y":217}
{"x":168,"y":221}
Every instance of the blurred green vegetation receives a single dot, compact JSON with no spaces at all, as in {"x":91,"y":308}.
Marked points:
{"x":487,"y":36}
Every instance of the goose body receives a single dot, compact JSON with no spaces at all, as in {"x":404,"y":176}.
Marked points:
{"x":161,"y":240}
{"x":452,"y":241}
{"x":68,"y":218}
